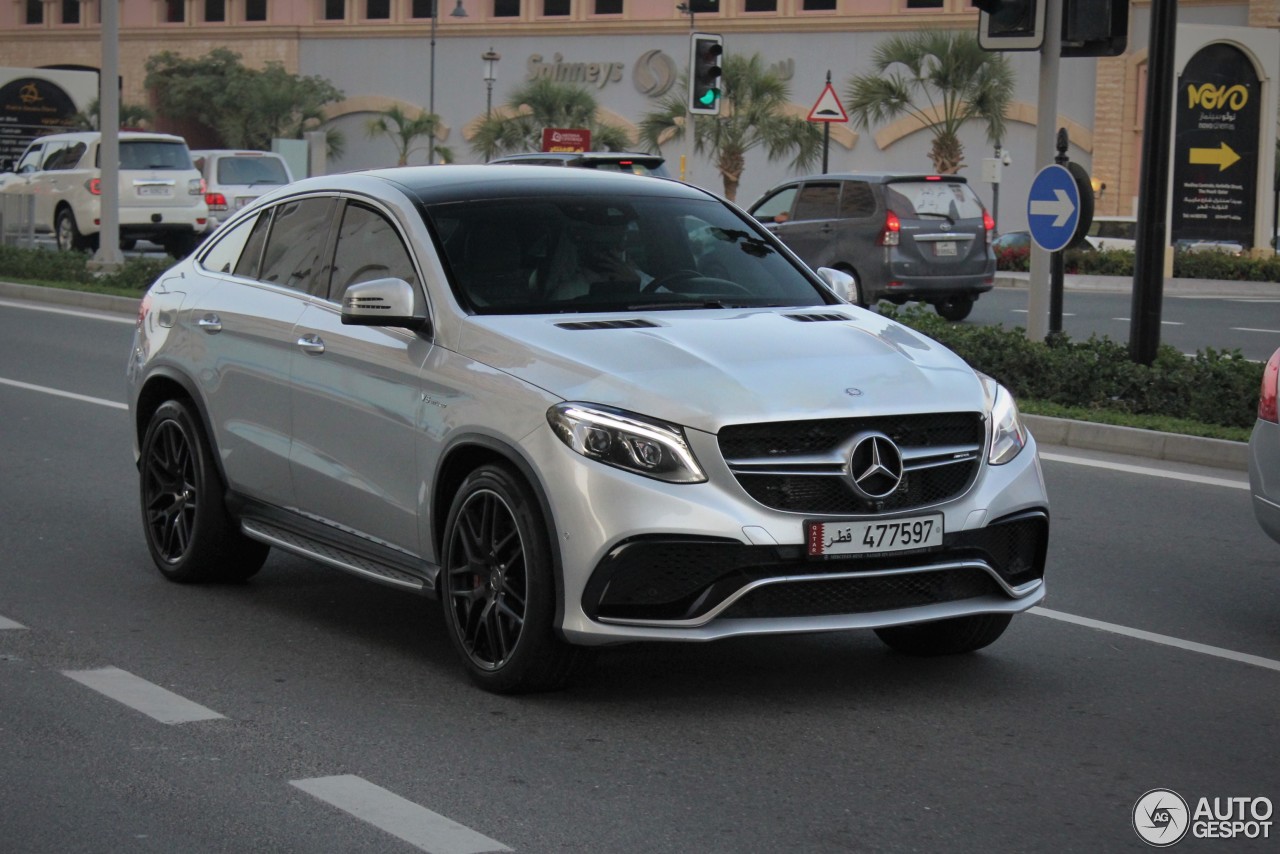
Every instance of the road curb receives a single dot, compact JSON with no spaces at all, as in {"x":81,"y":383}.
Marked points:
{"x":1171,"y":447}
{"x":1082,"y":435}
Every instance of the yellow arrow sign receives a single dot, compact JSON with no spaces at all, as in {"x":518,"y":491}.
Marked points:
{"x":1222,"y":157}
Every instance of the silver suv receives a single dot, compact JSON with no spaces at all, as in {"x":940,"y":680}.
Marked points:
{"x":161,"y":193}
{"x":901,"y":236}
{"x":577,"y":409}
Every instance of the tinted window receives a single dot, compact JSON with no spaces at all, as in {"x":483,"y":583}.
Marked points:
{"x":251,"y":170}
{"x":251,"y":257}
{"x":933,"y":199}
{"x":575,"y":254}
{"x":152,"y":154}
{"x":778,"y":203}
{"x":818,"y":201}
{"x":295,"y":249}
{"x":368,"y":248}
{"x":226,"y":246}
{"x":856,"y":200}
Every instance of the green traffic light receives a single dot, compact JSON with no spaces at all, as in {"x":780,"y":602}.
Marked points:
{"x":709,"y":98}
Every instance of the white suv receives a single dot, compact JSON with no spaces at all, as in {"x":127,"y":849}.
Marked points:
{"x":161,"y":193}
{"x":235,"y":177}
{"x":577,"y":408}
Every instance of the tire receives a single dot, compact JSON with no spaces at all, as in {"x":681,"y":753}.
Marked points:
{"x":66,"y":233}
{"x":189,"y":532}
{"x":497,"y":588}
{"x":180,"y":246}
{"x":946,"y":637}
{"x":128,"y":244}
{"x":955,"y":308}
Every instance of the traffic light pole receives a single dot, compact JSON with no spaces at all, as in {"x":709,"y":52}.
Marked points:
{"x":1046,"y":125}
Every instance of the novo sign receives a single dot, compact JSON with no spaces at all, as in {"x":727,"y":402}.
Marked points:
{"x":1218,"y":107}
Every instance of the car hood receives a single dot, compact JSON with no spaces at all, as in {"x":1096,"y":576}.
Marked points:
{"x":708,"y":368}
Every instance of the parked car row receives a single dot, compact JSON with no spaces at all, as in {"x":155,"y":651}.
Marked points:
{"x":167,"y":195}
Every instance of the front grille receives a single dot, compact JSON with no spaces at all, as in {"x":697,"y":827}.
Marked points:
{"x":863,"y":595}
{"x":658,"y":580}
{"x":802,"y":466}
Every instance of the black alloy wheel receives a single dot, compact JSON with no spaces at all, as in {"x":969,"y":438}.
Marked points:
{"x":497,"y":588}
{"x":189,"y":533}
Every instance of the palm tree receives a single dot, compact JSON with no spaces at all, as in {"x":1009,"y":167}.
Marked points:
{"x":395,"y":123}
{"x":544,"y":103}
{"x":131,"y":116}
{"x":943,"y":78}
{"x":752,"y":115}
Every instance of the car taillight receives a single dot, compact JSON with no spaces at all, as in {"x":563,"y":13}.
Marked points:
{"x":196,"y":187}
{"x":1267,"y":405}
{"x":94,"y":186}
{"x":216,"y":201}
{"x":892,"y":227}
{"x":990,"y":225}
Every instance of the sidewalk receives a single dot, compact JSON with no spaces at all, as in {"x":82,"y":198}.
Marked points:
{"x":1082,"y":435}
{"x":1172,"y":287}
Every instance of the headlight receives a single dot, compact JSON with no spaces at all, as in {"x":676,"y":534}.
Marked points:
{"x":1008,"y":436}
{"x":626,"y":441}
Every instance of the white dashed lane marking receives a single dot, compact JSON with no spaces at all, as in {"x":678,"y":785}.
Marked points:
{"x":143,"y":696}
{"x":387,"y":811}
{"x":6,"y":623}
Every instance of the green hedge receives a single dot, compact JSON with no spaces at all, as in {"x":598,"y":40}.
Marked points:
{"x":1186,"y":265}
{"x":72,"y":268}
{"x":1212,"y":387}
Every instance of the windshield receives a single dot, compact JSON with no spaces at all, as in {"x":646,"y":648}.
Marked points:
{"x":251,"y":169}
{"x":951,"y":200}
{"x":153,"y":154}
{"x":582,"y":254}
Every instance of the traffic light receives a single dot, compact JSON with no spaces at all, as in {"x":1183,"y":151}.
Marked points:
{"x":705,"y":52}
{"x":1095,"y":27}
{"x":1010,"y":24}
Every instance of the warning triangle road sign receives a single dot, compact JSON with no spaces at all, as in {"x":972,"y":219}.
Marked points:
{"x":828,"y":108}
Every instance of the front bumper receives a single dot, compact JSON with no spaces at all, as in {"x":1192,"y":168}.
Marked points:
{"x":646,"y":560}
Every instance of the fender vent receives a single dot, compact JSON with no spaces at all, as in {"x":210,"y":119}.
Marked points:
{"x":815,"y":318}
{"x":634,"y":323}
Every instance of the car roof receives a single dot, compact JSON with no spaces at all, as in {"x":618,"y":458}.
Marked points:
{"x":877,"y":177}
{"x":579,"y":155}
{"x":94,"y":136}
{"x":456,"y":183}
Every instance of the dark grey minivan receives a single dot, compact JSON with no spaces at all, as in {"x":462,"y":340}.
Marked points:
{"x":901,"y":236}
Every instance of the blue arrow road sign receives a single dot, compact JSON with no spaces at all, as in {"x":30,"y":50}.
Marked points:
{"x":1053,"y":208}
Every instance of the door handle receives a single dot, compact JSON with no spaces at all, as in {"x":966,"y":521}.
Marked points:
{"x":210,"y":323}
{"x":311,"y":343}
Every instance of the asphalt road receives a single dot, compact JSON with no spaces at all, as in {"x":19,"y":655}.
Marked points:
{"x":311,"y":711}
{"x":1250,"y":324}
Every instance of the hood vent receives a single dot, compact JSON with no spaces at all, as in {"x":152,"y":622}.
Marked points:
{"x":633,"y":323}
{"x":814,"y":318}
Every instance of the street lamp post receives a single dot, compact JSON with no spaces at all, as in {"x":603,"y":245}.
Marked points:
{"x":490,"y":58}
{"x":458,"y":12}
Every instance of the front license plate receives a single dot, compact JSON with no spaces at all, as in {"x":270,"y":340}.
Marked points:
{"x":153,"y":190}
{"x":944,"y":247}
{"x":874,"y":537}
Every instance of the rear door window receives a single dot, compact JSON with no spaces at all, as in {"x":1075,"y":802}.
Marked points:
{"x":818,"y":201}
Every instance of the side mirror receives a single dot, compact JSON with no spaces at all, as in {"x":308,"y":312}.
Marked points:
{"x":382,"y":302}
{"x":840,"y":283}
